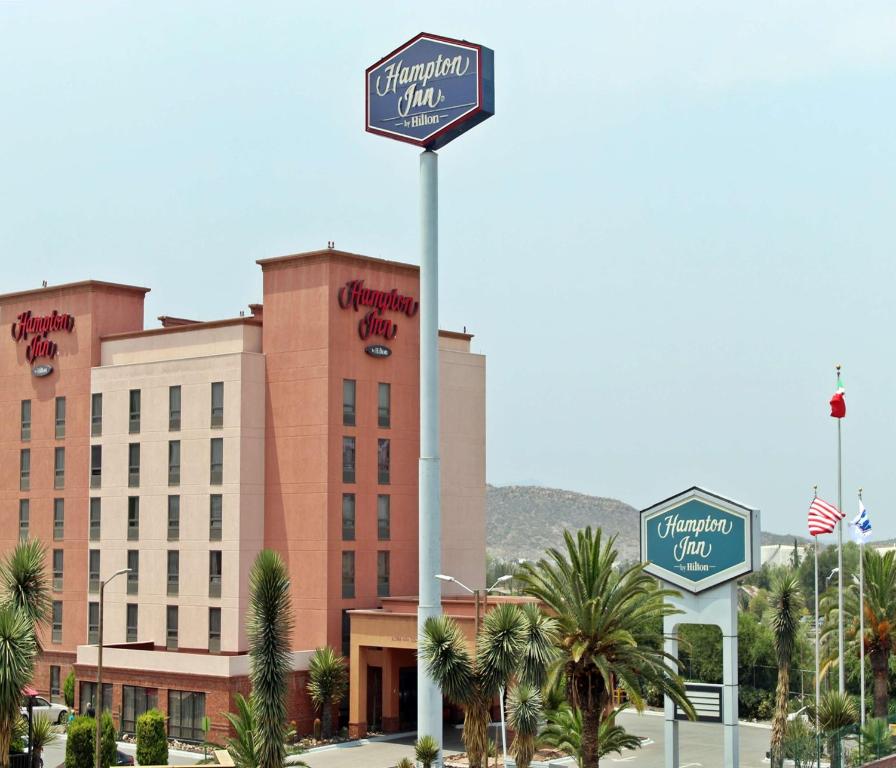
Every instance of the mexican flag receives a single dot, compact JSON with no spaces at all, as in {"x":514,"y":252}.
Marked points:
{"x":838,"y":404}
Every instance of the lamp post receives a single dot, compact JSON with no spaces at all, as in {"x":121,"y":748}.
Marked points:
{"x":99,"y":669}
{"x":827,"y":581}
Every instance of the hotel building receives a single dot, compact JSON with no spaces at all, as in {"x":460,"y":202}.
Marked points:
{"x":181,"y":451}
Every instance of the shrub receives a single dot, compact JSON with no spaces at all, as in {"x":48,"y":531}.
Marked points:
{"x":426,"y":750}
{"x":68,"y":689}
{"x":405,"y":762}
{"x":79,"y":744}
{"x":108,"y":739}
{"x":152,"y":743}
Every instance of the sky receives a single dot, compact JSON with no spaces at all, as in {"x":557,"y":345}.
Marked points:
{"x":680,"y":218}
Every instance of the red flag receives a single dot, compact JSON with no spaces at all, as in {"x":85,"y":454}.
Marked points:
{"x":823,"y":517}
{"x":838,"y":404}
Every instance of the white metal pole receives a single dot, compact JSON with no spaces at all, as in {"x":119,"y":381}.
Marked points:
{"x":817,"y":666}
{"x":841,"y":666}
{"x":503,"y":729}
{"x":862,"y":623}
{"x":429,"y":697}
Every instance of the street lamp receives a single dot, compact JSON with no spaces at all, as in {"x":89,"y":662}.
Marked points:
{"x":830,"y":576}
{"x":99,"y":669}
{"x":475,"y":592}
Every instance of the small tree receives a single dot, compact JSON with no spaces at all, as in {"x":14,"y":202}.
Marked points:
{"x":524,"y":709}
{"x":79,"y":744}
{"x":42,"y":734}
{"x":68,"y":689}
{"x":152,"y":744}
{"x":327,"y":682}
{"x":426,"y":750}
{"x":108,"y":740}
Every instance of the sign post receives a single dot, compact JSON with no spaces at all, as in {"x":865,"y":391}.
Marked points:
{"x":700,"y":543}
{"x":428,"y":92}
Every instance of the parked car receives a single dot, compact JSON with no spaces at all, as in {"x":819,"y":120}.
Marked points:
{"x":123,"y":758}
{"x":57,"y":713}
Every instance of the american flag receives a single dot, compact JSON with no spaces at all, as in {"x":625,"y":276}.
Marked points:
{"x":823,"y":517}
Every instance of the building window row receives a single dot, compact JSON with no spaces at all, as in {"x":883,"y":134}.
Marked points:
{"x":383,"y":517}
{"x":382,"y":574}
{"x":59,"y":419}
{"x":216,"y":416}
{"x":215,"y":571}
{"x":58,"y":519}
{"x":95,"y":516}
{"x":349,"y":403}
{"x":216,"y":464}
{"x":383,"y":460}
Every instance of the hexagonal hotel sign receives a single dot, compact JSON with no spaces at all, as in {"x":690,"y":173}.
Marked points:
{"x":430,"y":90}
{"x":697,"y":539}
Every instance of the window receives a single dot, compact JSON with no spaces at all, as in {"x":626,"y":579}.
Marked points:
{"x":58,"y":519}
{"x":186,"y":711}
{"x":215,"y":565}
{"x":217,"y":461}
{"x":26,"y":420}
{"x":348,"y":402}
{"x":171,"y":628}
{"x":88,"y":696}
{"x":346,"y":634}
{"x":383,"y":518}
{"x":93,"y":623}
{"x":173,"y":572}
{"x":174,"y":462}
{"x":96,"y":466}
{"x":217,"y":404}
{"x":57,"y":621}
{"x":96,"y":414}
{"x":348,"y":459}
{"x":24,"y":516}
{"x":134,"y":575}
{"x":214,"y":630}
{"x":60,"y":417}
{"x":174,"y":408}
{"x":55,"y":687}
{"x":348,"y":574}
{"x":382,"y":460}
{"x":134,"y":702}
{"x":58,"y":570}
{"x":130,"y":629}
{"x":348,"y":517}
{"x":25,"y":469}
{"x":59,"y":468}
{"x":96,"y":515}
{"x":133,"y":518}
{"x":384,"y":405}
{"x":173,"y":518}
{"x":215,"y":517}
{"x":133,"y":465}
{"x":93,"y":571}
{"x":382,"y":574}
{"x":134,"y":411}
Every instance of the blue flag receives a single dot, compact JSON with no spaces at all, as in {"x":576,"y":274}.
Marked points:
{"x":861,"y":525}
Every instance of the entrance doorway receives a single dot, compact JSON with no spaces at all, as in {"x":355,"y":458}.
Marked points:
{"x":374,"y":698}
{"x":407,"y":698}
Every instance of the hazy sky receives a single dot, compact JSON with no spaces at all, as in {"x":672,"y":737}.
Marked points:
{"x":680,"y":218}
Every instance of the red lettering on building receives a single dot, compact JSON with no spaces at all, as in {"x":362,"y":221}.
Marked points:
{"x":39,"y":326}
{"x":354,"y":295}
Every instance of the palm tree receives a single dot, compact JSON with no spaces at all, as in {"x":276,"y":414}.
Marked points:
{"x":24,"y":581}
{"x":269,"y":627}
{"x":876,"y":739}
{"x":18,"y":651}
{"x":880,"y":622}
{"x":327,"y":683}
{"x":524,"y":710}
{"x":605,"y":618}
{"x":836,"y":712}
{"x":564,"y":732}
{"x":786,"y":605}
{"x":242,"y":746}
{"x":512,"y":643}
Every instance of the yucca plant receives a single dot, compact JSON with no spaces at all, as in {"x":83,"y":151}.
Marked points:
{"x":837,"y":712}
{"x":512,"y":644}
{"x":426,"y":750}
{"x":606,"y":619}
{"x":42,"y":734}
{"x":786,"y":605}
{"x":524,"y":712}
{"x":405,"y":762}
{"x":269,"y":630}
{"x":327,"y":684}
{"x":25,"y":585}
{"x":18,"y":650}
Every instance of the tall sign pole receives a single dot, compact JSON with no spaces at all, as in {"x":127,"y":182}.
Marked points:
{"x":428,"y":92}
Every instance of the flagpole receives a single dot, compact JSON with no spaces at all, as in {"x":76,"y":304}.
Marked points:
{"x":862,"y":620}
{"x":817,"y":672}
{"x":841,"y":665}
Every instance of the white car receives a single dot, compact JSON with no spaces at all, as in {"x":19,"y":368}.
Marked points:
{"x":57,"y":713}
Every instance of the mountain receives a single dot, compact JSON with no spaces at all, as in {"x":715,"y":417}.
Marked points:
{"x":522,"y":521}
